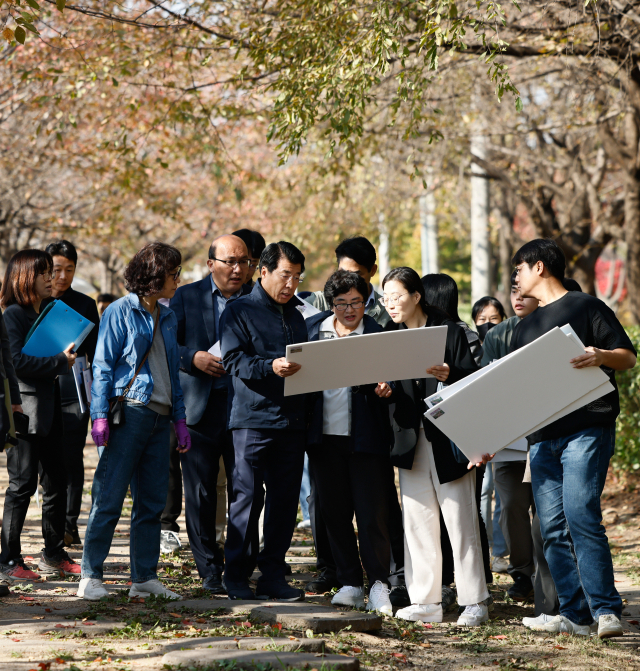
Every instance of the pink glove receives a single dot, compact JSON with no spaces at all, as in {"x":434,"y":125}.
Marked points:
{"x":182,"y":434}
{"x":100,"y":431}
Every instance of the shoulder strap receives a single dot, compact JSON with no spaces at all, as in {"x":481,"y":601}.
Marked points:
{"x":146,"y":356}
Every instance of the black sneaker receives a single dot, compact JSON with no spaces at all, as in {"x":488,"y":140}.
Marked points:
{"x":213,"y":584}
{"x":287,"y":569}
{"x":61,"y":564}
{"x":238,"y":590}
{"x":399,"y":596}
{"x":449,"y":598}
{"x":522,"y":588}
{"x":280,"y":590}
{"x":4,"y":587}
{"x":325,"y":582}
{"x":72,"y":538}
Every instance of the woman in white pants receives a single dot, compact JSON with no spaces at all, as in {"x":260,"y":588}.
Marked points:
{"x":431,"y":479}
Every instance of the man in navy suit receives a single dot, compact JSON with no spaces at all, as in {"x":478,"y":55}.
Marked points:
{"x":205,"y":384}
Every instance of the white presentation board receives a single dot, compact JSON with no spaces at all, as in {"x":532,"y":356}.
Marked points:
{"x":516,"y":395}
{"x":365,"y":359}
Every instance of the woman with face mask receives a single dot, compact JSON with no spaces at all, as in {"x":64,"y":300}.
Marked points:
{"x":349,"y":441}
{"x":430,"y":476}
{"x":487,"y":313}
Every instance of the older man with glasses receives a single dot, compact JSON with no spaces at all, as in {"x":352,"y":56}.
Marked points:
{"x":268,"y":428}
{"x":199,"y":308}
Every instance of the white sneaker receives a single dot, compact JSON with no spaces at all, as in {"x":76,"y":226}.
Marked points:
{"x":500,"y":564}
{"x":349,"y":596}
{"x":144,"y":589}
{"x":305,"y":524}
{"x":379,"y":599}
{"x":533,"y":622}
{"x":421,"y":612}
{"x":560,"y":624}
{"x":609,"y":626}
{"x":474,"y":615}
{"x":91,"y":589}
{"x":169,"y":542}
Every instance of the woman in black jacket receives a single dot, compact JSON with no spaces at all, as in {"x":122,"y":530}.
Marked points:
{"x":27,"y":283}
{"x":431,"y":478}
{"x":348,"y":445}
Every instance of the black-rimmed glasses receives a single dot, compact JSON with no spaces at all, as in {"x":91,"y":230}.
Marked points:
{"x":243,"y":263}
{"x":341,"y":307}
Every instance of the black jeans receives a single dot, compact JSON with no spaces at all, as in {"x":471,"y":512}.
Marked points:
{"x":544,"y":589}
{"x":73,"y":453}
{"x":210,"y":440}
{"x":353,"y":482}
{"x":171,"y":512}
{"x":34,"y":453}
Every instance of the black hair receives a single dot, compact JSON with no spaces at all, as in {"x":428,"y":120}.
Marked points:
{"x":545,"y":250}
{"x":359,"y":249}
{"x":411,"y":281}
{"x":514,"y":281}
{"x":571,"y":285}
{"x":106,"y":298}
{"x":482,"y":303}
{"x":441,"y":291}
{"x":341,"y":282}
{"x":276,"y":250}
{"x":253,"y":240}
{"x":63,"y":248}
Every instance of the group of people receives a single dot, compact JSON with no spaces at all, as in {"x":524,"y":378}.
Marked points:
{"x":203,"y":366}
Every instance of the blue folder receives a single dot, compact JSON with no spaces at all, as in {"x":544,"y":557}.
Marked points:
{"x":57,"y":329}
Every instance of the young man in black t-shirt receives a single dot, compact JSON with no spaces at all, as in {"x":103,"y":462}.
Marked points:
{"x":570,"y":457}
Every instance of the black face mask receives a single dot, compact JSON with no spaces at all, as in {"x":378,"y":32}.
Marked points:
{"x":483,"y":329}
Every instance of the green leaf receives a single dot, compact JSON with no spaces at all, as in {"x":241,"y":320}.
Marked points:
{"x":20,"y":34}
{"x":115,"y":81}
{"x":519,"y":105}
{"x":33,"y":3}
{"x":60,"y":4}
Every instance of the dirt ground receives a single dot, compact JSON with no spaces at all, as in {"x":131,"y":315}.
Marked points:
{"x":45,"y":626}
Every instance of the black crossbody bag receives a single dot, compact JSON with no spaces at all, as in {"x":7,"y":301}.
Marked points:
{"x":116,"y":404}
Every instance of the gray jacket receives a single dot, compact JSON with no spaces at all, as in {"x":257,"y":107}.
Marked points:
{"x":377,"y":310}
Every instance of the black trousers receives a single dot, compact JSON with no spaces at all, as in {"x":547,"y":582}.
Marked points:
{"x":274,"y":457}
{"x":544,"y":589}
{"x":73,"y":454}
{"x":325,"y":560}
{"x":171,"y":512}
{"x":209,"y":441}
{"x":33,"y":455}
{"x":349,"y":483}
{"x":447,"y":553}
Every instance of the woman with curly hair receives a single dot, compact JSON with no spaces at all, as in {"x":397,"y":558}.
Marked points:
{"x":137,"y":362}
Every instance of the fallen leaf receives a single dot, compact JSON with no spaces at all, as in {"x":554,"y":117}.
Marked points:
{"x":17,"y":640}
{"x":98,"y":659}
{"x":356,"y":650}
{"x":501,"y":637}
{"x":65,"y":626}
{"x":277,"y":625}
{"x":399,"y":655}
{"x":180,"y":634}
{"x":292,"y":638}
{"x":559,"y":647}
{"x":425,"y":645}
{"x":175,"y":615}
{"x":45,"y":666}
{"x":27,"y":598}
{"x":47,"y":610}
{"x":59,"y":660}
{"x":89,"y":624}
{"x":633,"y":622}
{"x":37,"y":617}
{"x":200,"y":620}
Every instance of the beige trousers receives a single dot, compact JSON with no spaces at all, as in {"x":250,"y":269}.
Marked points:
{"x":422,"y":499}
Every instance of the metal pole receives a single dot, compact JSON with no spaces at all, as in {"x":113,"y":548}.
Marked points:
{"x":429,"y":232}
{"x":480,"y":257}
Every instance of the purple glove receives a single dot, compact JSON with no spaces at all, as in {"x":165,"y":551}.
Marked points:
{"x":182,"y":434}
{"x":100,"y":431}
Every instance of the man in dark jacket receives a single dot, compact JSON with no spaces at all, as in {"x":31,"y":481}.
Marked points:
{"x":75,"y":421}
{"x":205,"y":385}
{"x":268,"y":428}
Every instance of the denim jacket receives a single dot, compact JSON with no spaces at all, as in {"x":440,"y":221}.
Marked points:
{"x":126,"y":330}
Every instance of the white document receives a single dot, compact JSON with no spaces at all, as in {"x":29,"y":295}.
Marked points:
{"x":517,"y":451}
{"x":365,"y":359}
{"x":87,"y":377}
{"x":306,"y":309}
{"x":517,"y":395}
{"x":215,"y":349}
{"x":79,"y":366}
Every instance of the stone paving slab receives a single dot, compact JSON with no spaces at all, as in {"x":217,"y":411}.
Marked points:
{"x":319,"y":619}
{"x":245,"y":658}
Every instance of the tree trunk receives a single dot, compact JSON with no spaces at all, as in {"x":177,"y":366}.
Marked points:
{"x":632,"y":238}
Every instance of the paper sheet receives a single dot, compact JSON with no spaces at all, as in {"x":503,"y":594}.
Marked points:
{"x":517,"y":395}
{"x":215,"y":349}
{"x":79,"y":366}
{"x":365,"y":359}
{"x":306,"y":309}
{"x":87,"y":378}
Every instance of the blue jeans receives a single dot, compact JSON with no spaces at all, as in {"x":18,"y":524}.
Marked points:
{"x":492,"y":521}
{"x":567,"y":477}
{"x":305,"y":489}
{"x":137,"y":454}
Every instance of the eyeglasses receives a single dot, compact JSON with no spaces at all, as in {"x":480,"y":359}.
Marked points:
{"x":49,"y":276}
{"x":253,"y":264}
{"x":341,"y":307}
{"x":243,"y":263}
{"x":176,"y":275}
{"x":294,"y":279}
{"x":392,"y":300}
